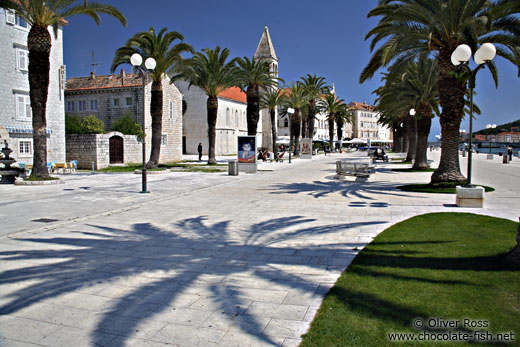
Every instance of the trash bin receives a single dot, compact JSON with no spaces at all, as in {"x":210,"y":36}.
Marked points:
{"x":464,"y":153}
{"x":233,"y":167}
{"x":505,"y":159}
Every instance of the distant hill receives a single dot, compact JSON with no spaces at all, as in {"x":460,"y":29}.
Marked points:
{"x":499,"y":128}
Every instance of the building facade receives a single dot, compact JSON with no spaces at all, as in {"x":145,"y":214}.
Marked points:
{"x":231,"y":119}
{"x":111,"y":97}
{"x":365,"y":123}
{"x":16,"y":112}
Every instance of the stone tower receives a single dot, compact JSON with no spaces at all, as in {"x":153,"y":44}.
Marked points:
{"x":265,"y":51}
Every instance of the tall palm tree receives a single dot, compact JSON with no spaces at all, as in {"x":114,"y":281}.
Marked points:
{"x":211,"y":71}
{"x":161,"y":47}
{"x":408,"y":28}
{"x":296,"y":99}
{"x":273,"y":99}
{"x":332,"y":106}
{"x":252,"y":75}
{"x":343,"y":115}
{"x":315,"y":87}
{"x":40,"y":15}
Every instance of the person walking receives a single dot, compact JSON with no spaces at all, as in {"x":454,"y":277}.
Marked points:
{"x":199,"y":149}
{"x":510,"y":152}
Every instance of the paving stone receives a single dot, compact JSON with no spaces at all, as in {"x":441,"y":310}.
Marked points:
{"x":112,"y":267}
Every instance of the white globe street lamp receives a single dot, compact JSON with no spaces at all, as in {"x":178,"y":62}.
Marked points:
{"x":136,"y":60}
{"x":460,"y":57}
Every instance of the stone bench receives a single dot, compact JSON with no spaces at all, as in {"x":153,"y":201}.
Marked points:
{"x":352,"y":168}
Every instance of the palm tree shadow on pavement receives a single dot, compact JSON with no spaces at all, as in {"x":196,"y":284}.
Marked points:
{"x":348,"y":189}
{"x":155,"y":266}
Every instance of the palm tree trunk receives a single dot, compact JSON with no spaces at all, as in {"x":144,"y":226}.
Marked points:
{"x":412,"y":137}
{"x":212,"y":105}
{"x":451,"y":97}
{"x":252,"y":110}
{"x":339,"y":130}
{"x":331,"y":131}
{"x":304,"y":127}
{"x":296,"y":131}
{"x":39,"y":44}
{"x":273,"y":132}
{"x":398,"y":138}
{"x":156,"y":106}
{"x":424,"y":123}
{"x":310,"y":119}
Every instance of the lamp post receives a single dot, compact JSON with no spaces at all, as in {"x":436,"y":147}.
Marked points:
{"x":290,"y":112}
{"x":490,"y":126}
{"x":483,"y":56}
{"x":136,"y":60}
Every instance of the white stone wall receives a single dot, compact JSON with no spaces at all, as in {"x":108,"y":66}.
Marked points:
{"x":14,"y":81}
{"x":231,"y":121}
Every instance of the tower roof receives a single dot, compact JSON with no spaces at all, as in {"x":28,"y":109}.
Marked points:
{"x":265,"y":47}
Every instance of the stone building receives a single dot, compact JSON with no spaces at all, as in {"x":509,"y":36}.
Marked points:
{"x":231,"y":118}
{"x":16,"y":112}
{"x":366,"y":124}
{"x":110,"y":97}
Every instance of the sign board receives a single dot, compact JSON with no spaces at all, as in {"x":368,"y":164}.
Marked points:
{"x":306,"y":148}
{"x":247,"y":152}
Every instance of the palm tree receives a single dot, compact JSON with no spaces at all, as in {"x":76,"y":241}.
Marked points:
{"x":253,"y":75}
{"x":211,"y":71}
{"x":273,"y":99}
{"x":409,"y":28}
{"x":40,"y":15}
{"x":332,"y":106}
{"x":161,"y":47}
{"x":343,"y":115}
{"x":315,"y":87}
{"x":296,"y":99}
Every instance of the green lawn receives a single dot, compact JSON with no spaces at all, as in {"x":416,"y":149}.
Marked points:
{"x":441,"y":188}
{"x":444,"y":265}
{"x":175,"y":166}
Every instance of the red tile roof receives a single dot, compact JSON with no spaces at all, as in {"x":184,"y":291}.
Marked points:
{"x":103,"y":82}
{"x":353,"y":105}
{"x":235,"y":94}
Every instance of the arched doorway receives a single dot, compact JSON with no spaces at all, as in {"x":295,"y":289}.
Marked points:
{"x":116,"y":150}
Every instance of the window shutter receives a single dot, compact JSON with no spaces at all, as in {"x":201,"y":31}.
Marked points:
{"x":22,"y":59}
{"x":28,"y":109}
{"x":10,"y":17}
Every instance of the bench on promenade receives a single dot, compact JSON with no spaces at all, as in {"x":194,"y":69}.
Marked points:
{"x":352,"y":168}
{"x":397,"y":156}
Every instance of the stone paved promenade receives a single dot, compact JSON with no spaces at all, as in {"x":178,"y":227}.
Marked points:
{"x":205,"y":259}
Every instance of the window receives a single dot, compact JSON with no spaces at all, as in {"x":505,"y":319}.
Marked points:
{"x":116,"y":102}
{"x":22,"y":59}
{"x":164,"y":141}
{"x":10,"y":17}
{"x":25,"y":148}
{"x":286,"y":123}
{"x":70,"y":106}
{"x":21,"y":22}
{"x":172,"y":109}
{"x":23,"y":107}
{"x":82,"y":106}
{"x":128,"y":101}
{"x":93,"y":105}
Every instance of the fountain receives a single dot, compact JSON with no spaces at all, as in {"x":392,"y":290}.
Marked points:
{"x":8,"y":174}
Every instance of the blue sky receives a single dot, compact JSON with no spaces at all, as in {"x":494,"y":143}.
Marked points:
{"x":324,"y":38}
